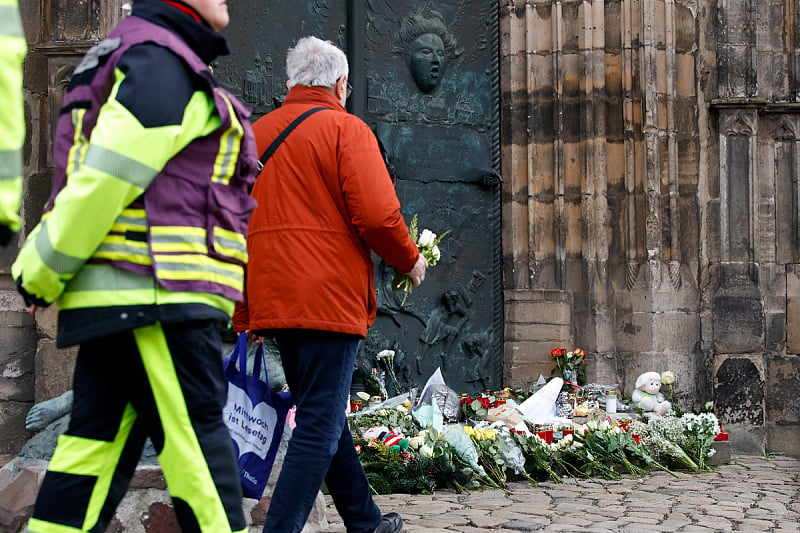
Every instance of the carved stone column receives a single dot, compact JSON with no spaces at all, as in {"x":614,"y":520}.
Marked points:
{"x":601,"y":165}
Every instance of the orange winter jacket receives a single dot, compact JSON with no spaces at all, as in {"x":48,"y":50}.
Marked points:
{"x":325,"y":199}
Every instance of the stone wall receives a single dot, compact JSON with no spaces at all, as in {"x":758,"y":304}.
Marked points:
{"x":651,"y":178}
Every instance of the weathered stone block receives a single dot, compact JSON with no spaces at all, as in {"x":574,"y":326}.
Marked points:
{"x":47,"y":321}
{"x":17,"y":496}
{"x":722,"y":453}
{"x":792,"y":310}
{"x":12,"y":426}
{"x":634,"y":332}
{"x":525,"y":375}
{"x":738,"y":324}
{"x":775,"y":333}
{"x":148,"y":476}
{"x":740,"y":392}
{"x":54,"y":369}
{"x":675,"y":332}
{"x":783,"y":404}
{"x":555,"y":333}
{"x":18,"y":339}
{"x":528,"y":307}
{"x":746,"y":439}
{"x":528,"y":352}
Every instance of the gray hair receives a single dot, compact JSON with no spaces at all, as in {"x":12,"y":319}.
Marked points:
{"x":315,"y":62}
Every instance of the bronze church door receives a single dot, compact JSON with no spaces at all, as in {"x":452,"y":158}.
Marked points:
{"x":425,"y":78}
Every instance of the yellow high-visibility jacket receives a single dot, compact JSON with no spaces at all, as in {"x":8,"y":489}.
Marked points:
{"x":12,"y":119}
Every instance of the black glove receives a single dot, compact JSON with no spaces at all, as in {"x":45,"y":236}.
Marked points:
{"x":29,"y":298}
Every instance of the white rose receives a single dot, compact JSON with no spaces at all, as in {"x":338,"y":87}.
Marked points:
{"x":426,"y":239}
{"x":385,"y":353}
{"x":436,"y":253}
{"x":415,"y":442}
{"x":667,"y":377}
{"x":426,"y":451}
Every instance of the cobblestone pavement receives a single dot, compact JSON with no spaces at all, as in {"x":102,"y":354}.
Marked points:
{"x":751,"y":493}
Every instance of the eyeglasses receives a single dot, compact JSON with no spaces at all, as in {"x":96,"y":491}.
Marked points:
{"x":349,"y":90}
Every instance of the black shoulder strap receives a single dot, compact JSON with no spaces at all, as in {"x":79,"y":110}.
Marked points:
{"x":280,"y":138}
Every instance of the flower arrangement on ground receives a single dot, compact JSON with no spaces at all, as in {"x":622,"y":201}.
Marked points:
{"x":538,"y":456}
{"x":687,"y":439}
{"x":571,"y":365}
{"x":699,"y":431}
{"x":399,"y":455}
{"x":476,"y":406}
{"x":428,"y":244}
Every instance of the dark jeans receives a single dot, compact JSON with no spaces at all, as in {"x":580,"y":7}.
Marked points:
{"x":319,"y":369}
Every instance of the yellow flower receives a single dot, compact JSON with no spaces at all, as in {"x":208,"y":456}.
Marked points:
{"x":469,"y":430}
{"x":667,"y":377}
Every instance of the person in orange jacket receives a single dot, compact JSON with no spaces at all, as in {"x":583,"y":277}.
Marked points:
{"x":325,"y":202}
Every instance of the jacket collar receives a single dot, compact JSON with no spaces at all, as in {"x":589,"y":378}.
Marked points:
{"x":306,"y":94}
{"x":207,"y":43}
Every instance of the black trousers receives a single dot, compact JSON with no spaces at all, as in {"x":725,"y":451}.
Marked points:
{"x":165,"y":382}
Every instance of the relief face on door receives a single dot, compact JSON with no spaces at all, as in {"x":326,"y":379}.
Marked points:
{"x":425,"y":79}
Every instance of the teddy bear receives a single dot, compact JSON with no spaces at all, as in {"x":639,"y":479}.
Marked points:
{"x":647,"y":395}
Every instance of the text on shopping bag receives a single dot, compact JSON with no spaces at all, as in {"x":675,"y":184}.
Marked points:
{"x":251,"y":426}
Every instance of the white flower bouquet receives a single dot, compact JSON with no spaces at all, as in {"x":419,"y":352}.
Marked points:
{"x":387,"y":358}
{"x":428,"y":244}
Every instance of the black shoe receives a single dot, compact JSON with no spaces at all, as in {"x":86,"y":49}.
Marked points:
{"x":391,"y":523}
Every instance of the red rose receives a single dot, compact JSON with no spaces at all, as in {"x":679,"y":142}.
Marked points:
{"x":558,"y":352}
{"x":484,"y":402}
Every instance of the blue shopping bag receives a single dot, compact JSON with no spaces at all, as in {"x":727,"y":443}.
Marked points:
{"x":255,"y":416}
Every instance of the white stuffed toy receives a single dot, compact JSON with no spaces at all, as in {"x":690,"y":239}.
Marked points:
{"x":647,"y":395}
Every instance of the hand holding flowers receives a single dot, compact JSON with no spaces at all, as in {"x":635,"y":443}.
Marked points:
{"x":428,"y":244}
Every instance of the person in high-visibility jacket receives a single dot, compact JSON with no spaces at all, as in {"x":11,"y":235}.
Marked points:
{"x":12,"y":119}
{"x":142,"y":247}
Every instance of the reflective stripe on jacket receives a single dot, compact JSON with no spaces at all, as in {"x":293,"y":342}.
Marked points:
{"x":169,"y":204}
